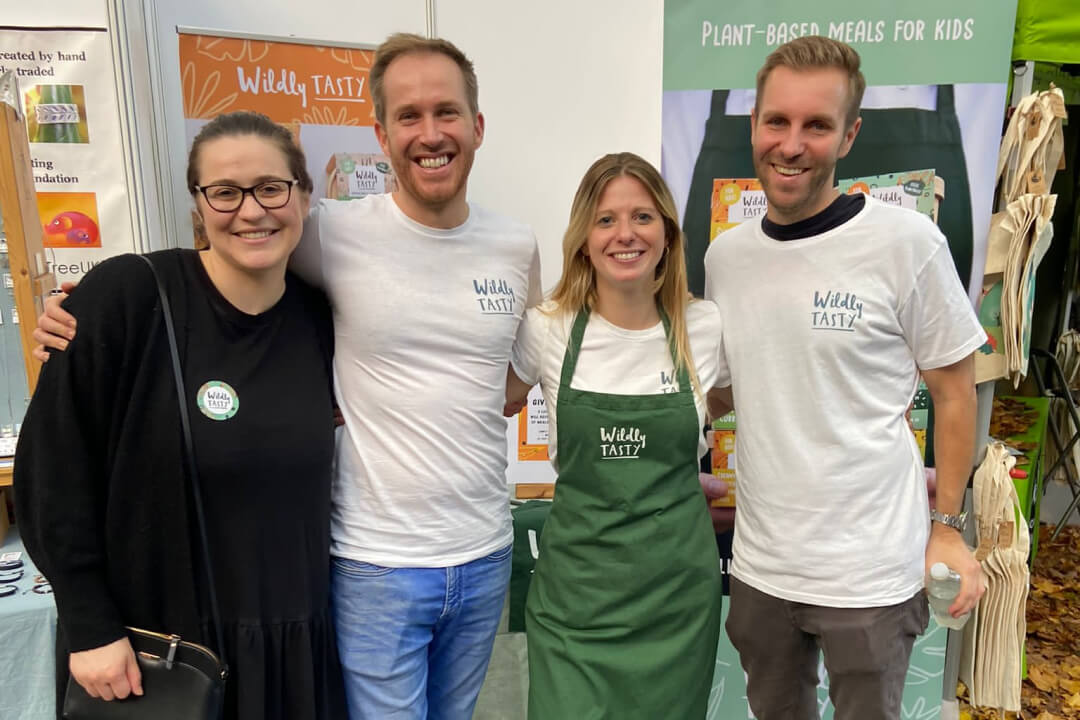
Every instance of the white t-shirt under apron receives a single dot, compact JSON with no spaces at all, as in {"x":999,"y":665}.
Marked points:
{"x":614,"y":360}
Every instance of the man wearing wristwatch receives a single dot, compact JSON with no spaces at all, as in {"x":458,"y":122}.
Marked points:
{"x":832,"y":306}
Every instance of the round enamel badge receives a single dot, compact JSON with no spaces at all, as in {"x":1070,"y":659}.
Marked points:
{"x":217,"y":400}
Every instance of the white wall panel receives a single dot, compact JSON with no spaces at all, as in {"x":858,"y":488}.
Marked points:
{"x":561,"y":83}
{"x":67,"y":13}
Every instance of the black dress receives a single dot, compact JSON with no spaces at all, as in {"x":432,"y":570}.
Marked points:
{"x":104,"y":505}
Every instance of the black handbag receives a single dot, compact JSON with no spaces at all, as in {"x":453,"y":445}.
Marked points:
{"x":181,"y":680}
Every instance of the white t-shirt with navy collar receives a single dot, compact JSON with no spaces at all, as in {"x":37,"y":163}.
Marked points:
{"x":824,"y":337}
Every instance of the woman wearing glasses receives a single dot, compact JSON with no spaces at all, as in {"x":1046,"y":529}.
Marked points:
{"x":104,"y":506}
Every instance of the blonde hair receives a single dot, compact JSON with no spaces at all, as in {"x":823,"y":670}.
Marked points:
{"x":576,"y":288}
{"x":400,"y":44}
{"x":817,"y":52}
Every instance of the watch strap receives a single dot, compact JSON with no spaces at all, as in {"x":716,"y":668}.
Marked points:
{"x":956,"y":522}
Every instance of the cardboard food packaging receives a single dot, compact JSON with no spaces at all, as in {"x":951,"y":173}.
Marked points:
{"x":355,"y":175}
{"x":723,"y":457}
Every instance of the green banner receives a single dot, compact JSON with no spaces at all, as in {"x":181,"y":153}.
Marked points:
{"x":709,"y":45}
{"x":1047,"y":30}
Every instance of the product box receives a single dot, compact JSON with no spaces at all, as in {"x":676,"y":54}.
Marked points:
{"x":913,"y":190}
{"x":919,"y":416}
{"x":734,"y":201}
{"x":723,"y":457}
{"x":355,"y":175}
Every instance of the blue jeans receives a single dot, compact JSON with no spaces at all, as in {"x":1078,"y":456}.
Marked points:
{"x":415,"y":642}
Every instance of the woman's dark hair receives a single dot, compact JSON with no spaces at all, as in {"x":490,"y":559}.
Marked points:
{"x":241,"y":123}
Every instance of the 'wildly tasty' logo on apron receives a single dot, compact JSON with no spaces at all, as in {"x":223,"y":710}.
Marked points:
{"x":621,"y":443}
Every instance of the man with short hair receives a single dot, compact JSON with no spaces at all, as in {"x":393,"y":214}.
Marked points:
{"x":833,"y":306}
{"x":427,"y":291}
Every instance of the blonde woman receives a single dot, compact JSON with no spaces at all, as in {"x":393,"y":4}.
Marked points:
{"x":623,"y":613}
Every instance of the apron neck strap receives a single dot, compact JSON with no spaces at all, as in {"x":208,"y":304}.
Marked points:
{"x":945,"y":102}
{"x":573,"y":347}
{"x":719,"y":103}
{"x":577,"y":332}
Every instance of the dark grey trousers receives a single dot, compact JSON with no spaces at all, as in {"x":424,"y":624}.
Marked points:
{"x":866,"y":654}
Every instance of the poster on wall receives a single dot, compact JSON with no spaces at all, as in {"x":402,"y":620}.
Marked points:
{"x":529,"y":471}
{"x":935,"y":72}
{"x":532,"y":422}
{"x":69,"y":98}
{"x":320,"y":92}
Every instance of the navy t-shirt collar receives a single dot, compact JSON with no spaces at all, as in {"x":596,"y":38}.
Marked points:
{"x":842,"y":209}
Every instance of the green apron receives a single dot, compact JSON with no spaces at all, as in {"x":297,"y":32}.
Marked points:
{"x":891,"y":140}
{"x":623,"y":614}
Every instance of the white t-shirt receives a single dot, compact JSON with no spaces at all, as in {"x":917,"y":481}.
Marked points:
{"x":614,"y":360}
{"x":424,"y":321}
{"x":824,"y":337}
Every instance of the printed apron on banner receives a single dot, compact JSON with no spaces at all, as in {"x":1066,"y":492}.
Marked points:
{"x":890,"y":140}
{"x":623,"y":614}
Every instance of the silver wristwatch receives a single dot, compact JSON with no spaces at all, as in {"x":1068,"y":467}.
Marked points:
{"x":956,"y":522}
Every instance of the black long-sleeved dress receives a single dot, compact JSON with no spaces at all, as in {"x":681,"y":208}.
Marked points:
{"x":104,"y":505}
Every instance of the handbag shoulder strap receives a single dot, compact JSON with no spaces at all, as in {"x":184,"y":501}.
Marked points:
{"x":189,"y":453}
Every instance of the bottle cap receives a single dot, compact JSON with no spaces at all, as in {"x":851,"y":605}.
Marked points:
{"x":939,"y":571}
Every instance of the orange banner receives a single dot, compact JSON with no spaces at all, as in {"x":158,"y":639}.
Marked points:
{"x":291,"y":83}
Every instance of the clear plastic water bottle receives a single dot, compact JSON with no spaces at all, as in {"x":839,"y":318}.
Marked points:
{"x":942,"y":587}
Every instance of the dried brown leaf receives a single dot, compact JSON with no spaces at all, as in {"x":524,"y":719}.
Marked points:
{"x":1053,"y":635}
{"x":1046,"y":586}
{"x":1043,"y":677}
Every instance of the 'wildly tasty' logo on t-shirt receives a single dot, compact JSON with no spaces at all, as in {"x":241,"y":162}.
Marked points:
{"x":495,"y":297}
{"x":621,"y":443}
{"x":667,"y":382}
{"x":836,"y":310}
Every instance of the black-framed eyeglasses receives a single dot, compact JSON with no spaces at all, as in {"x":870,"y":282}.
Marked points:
{"x":270,"y":195}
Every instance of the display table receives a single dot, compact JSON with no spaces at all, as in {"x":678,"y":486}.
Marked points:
{"x":504,"y":695}
{"x":27,"y":645}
